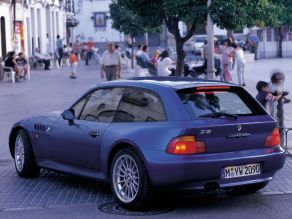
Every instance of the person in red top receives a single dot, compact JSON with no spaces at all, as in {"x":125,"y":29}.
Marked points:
{"x":89,"y":53}
{"x":73,"y":60}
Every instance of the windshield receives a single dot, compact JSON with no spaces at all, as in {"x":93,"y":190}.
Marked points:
{"x":234,"y":101}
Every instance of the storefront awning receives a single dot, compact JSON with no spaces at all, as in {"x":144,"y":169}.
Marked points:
{"x":72,"y":22}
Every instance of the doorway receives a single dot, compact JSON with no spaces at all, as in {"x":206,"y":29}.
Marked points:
{"x":3,"y":37}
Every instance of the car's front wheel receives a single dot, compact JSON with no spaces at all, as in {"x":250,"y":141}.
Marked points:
{"x":129,"y":180}
{"x":23,"y":156}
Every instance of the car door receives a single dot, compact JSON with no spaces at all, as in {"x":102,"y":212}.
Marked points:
{"x":77,"y":143}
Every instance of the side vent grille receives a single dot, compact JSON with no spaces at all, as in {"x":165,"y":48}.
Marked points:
{"x":39,"y":127}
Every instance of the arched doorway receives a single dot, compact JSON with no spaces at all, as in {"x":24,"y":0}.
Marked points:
{"x":3,"y":37}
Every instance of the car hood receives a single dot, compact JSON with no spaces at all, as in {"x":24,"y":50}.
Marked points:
{"x":49,"y":117}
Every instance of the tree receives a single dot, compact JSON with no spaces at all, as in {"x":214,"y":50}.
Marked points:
{"x":231,"y":14}
{"x":129,"y":22}
{"x":170,"y":12}
{"x":285,"y":19}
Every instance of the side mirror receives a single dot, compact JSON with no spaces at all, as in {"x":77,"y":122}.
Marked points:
{"x":69,"y":115}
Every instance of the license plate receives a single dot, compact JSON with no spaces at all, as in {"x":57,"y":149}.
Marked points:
{"x":240,"y":171}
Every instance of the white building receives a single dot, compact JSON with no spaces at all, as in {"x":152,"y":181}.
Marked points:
{"x":95,"y":23}
{"x":37,"y":24}
{"x":269,"y":42}
{"x":5,"y":27}
{"x":43,"y":21}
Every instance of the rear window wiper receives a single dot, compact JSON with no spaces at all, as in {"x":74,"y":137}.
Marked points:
{"x":219,"y":114}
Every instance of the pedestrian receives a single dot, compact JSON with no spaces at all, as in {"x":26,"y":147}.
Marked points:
{"x":144,"y":55}
{"x":266,"y":98}
{"x":253,"y":42}
{"x":240,"y":64}
{"x":59,"y":46}
{"x":77,"y":46}
{"x":89,"y":51}
{"x":43,"y":58}
{"x":155,"y":58}
{"x":228,"y":56}
{"x":277,"y":84}
{"x":11,"y":62}
{"x":73,"y":60}
{"x":111,"y":62}
{"x":139,"y":51}
{"x":22,"y":63}
{"x":48,"y":47}
{"x":164,"y":63}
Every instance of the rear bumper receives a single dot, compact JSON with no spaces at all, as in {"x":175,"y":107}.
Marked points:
{"x":195,"y":171}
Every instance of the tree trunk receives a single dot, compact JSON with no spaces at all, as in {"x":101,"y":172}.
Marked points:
{"x":180,"y":57}
{"x":172,"y":26}
{"x":230,"y":35}
{"x":280,"y":51}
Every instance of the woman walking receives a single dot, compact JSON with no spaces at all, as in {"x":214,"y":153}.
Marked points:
{"x":240,"y":63}
{"x":228,"y":56}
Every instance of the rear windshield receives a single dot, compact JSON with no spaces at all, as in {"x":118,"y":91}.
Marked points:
{"x":202,"y":101}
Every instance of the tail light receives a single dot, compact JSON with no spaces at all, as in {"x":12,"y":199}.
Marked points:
{"x":186,"y":145}
{"x":273,"y":139}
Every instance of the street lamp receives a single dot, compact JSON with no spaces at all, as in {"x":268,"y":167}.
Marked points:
{"x":210,"y":45}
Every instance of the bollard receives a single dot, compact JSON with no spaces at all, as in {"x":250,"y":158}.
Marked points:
{"x":280,"y":120}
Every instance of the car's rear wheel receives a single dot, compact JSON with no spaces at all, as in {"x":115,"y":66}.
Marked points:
{"x":248,"y":189}
{"x":23,"y":156}
{"x":129,"y":180}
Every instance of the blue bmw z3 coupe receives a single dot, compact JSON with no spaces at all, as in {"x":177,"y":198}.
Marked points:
{"x":146,"y":133}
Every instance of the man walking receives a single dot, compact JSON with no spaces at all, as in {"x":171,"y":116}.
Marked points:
{"x":111,"y":61}
{"x":253,"y":42}
{"x":59,"y":45}
{"x":89,"y":52}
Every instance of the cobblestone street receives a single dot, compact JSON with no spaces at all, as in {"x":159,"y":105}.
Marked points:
{"x":54,"y":90}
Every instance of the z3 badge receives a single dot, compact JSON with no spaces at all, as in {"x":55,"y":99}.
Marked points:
{"x":204,"y":132}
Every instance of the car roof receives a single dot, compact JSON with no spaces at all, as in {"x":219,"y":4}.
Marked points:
{"x":176,"y":83}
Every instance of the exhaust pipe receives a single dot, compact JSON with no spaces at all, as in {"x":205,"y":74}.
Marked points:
{"x":212,"y":186}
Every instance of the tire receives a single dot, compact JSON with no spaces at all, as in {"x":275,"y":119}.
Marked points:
{"x":249,"y":189}
{"x":23,"y":156}
{"x":133,"y":192}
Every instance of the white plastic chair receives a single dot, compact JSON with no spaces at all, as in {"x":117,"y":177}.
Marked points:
{"x":28,"y":72}
{"x":8,"y":73}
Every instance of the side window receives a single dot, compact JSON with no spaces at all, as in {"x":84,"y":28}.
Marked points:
{"x":102,"y":105}
{"x":78,"y":107}
{"x":140,"y":105}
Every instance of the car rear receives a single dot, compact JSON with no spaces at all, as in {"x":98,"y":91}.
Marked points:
{"x":229,"y":140}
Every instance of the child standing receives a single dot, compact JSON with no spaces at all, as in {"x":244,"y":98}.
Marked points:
{"x":266,"y":98}
{"x":73,"y":60}
{"x":277,"y":84}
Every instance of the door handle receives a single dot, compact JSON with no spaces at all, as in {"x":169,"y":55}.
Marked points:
{"x":93,"y":133}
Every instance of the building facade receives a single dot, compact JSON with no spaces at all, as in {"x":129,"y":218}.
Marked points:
{"x":5,"y":27}
{"x":269,"y":42}
{"x":95,"y":22}
{"x":29,"y":24}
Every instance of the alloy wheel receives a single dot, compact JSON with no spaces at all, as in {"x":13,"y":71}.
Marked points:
{"x":126,"y":180}
{"x":19,"y":153}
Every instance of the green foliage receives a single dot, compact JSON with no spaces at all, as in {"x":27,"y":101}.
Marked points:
{"x":234,"y":14}
{"x":231,"y":14}
{"x":285,"y":11}
{"x":127,"y":21}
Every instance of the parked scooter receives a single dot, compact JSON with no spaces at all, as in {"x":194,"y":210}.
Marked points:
{"x":200,"y":71}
